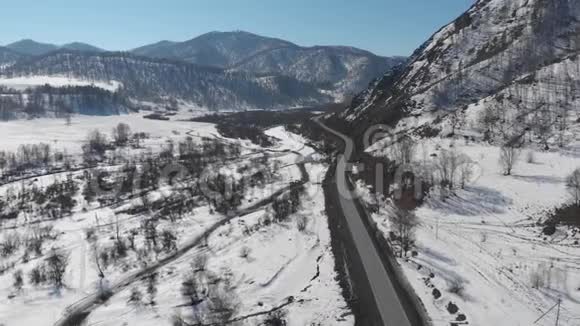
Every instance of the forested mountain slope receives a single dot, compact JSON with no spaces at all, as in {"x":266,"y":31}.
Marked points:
{"x":506,"y":66}
{"x":341,"y":70}
{"x":152,"y":79}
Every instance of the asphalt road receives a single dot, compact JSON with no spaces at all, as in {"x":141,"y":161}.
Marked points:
{"x":387,"y":300}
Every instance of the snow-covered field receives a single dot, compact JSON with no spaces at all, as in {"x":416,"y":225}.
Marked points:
{"x":284,"y":265}
{"x":485,"y":239}
{"x":56,"y":132}
{"x":22,"y":83}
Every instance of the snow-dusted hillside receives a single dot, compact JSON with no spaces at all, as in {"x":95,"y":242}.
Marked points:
{"x":515,"y":54}
{"x":32,"y":48}
{"x":150,"y":79}
{"x":8,"y":57}
{"x":342,"y":70}
{"x":224,"y":71}
{"x":215,"y":49}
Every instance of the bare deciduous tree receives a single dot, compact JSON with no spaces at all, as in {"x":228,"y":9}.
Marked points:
{"x":56,"y":265}
{"x":151,"y":283}
{"x":223,"y":304}
{"x":404,"y":223}
{"x":404,"y":150}
{"x":573,"y":185}
{"x":508,"y":158}
{"x":466,"y":173}
{"x":531,"y":157}
{"x":542,"y":124}
{"x":18,"y":280}
{"x":122,"y":134}
{"x":135,"y":297}
{"x":447,"y":165}
{"x":276,"y":318}
{"x":192,"y":291}
{"x":95,"y":147}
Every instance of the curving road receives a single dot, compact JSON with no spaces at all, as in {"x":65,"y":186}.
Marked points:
{"x":389,"y":304}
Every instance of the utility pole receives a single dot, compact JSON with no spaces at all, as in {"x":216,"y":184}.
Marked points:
{"x":558,"y":313}
{"x":117,"y":226}
{"x":557,"y":305}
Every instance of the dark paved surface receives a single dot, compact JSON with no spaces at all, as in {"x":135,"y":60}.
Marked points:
{"x":387,"y":300}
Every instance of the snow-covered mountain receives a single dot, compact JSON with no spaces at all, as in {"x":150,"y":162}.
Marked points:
{"x":217,"y":70}
{"x":502,"y":67}
{"x":153,"y":79}
{"x":79,"y":46}
{"x":8,"y":56}
{"x":339,"y":69}
{"x":32,"y":48}
{"x":218,"y":49}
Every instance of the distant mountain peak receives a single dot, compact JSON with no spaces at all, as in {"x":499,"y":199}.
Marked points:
{"x":34,"y":48}
{"x":336,"y":71}
{"x":80,"y":46}
{"x":339,"y":69}
{"x":31,"y":47}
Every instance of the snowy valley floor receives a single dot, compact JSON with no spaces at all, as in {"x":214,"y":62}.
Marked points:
{"x":288,"y":263}
{"x":481,"y":248}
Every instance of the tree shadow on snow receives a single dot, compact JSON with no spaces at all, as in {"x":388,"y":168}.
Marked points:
{"x":472,"y":201}
{"x":446,"y":268}
{"x":538,"y":178}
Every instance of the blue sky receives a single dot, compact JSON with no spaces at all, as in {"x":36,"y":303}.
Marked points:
{"x":387,"y":27}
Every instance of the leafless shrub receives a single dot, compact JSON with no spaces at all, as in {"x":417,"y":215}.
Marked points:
{"x":537,"y":278}
{"x":276,"y":318}
{"x":531,"y":157}
{"x":223,"y":304}
{"x":200,"y":263}
{"x":457,"y":286}
{"x":483,"y":237}
{"x":301,"y":222}
{"x":90,"y":234}
{"x":177,"y":320}
{"x":245,"y":252}
{"x":151,"y":283}
{"x":10,"y":244}
{"x":18,"y":280}
{"x":465,"y":173}
{"x":136,"y":297}
{"x":192,"y":290}
{"x":37,"y":275}
{"x":168,"y":240}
